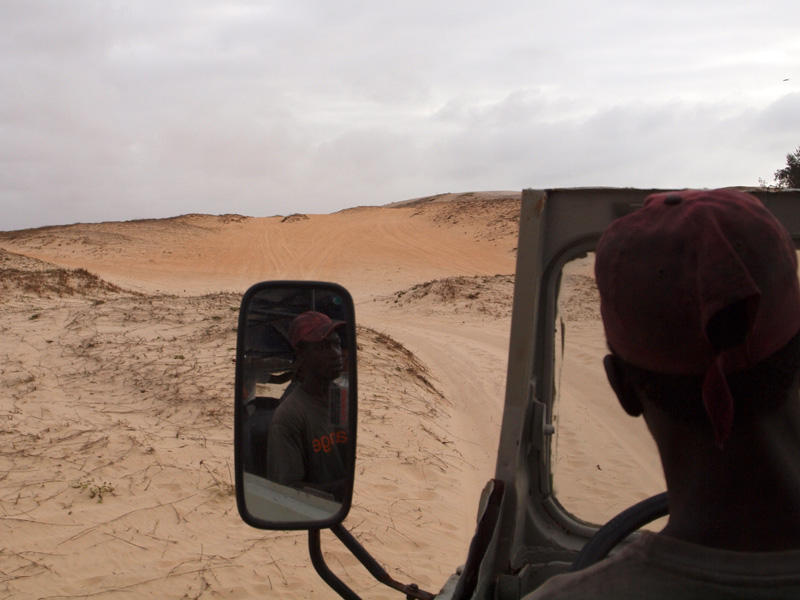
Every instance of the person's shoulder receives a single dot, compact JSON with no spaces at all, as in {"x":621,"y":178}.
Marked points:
{"x":619,"y":576}
{"x":286,"y":408}
{"x":656,"y":566}
{"x":292,"y":408}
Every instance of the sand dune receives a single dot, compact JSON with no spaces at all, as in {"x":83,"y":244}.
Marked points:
{"x":118,"y":347}
{"x":369,"y":250}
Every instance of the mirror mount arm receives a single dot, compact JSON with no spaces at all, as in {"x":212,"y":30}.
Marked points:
{"x":315,"y":550}
{"x":411,"y":590}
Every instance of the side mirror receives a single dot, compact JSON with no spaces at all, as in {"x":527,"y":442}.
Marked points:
{"x":295,"y":405}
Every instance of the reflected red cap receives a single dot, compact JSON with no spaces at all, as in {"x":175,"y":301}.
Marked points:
{"x":665,"y":270}
{"x":311,"y":326}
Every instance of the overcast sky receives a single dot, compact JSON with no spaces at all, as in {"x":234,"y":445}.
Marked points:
{"x":120,"y":110}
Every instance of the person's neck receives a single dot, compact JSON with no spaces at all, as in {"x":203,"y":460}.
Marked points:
{"x":745,"y":497}
{"x":315,"y":387}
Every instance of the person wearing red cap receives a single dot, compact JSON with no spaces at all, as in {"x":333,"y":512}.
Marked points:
{"x":700,"y":304}
{"x":305,"y":449}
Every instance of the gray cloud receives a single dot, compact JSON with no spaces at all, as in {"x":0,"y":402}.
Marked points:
{"x":156,"y":109}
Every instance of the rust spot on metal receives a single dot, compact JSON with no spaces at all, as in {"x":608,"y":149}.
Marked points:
{"x":540,"y":206}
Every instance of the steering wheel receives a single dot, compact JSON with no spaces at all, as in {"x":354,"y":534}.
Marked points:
{"x":620,"y":527}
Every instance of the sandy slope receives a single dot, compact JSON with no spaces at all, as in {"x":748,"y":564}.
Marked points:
{"x":116,"y":410}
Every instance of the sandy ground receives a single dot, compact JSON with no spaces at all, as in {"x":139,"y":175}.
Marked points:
{"x":118,"y":347}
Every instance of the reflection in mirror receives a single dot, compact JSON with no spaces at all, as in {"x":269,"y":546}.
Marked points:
{"x":297,"y":438}
{"x":603,"y":460}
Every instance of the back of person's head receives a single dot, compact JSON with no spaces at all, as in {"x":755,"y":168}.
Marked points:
{"x":701,"y":304}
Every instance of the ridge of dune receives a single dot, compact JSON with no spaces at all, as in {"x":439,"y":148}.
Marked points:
{"x":488,"y":295}
{"x":455,"y":196}
{"x":22,"y":276}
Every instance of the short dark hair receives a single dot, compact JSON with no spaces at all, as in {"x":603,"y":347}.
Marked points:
{"x":756,"y":390}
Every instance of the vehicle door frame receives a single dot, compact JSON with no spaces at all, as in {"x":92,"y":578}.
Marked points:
{"x":536,"y":537}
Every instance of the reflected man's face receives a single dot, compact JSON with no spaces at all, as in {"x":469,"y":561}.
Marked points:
{"x":324,"y":359}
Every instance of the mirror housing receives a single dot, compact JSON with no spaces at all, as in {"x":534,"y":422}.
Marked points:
{"x":295,"y":410}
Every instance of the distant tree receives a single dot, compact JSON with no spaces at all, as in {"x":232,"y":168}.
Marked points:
{"x":789,"y":176}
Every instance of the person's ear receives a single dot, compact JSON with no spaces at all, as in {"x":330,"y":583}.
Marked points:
{"x":626,"y":395}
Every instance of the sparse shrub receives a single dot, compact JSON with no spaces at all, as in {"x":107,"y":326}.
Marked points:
{"x":789,"y":176}
{"x":94,"y":490}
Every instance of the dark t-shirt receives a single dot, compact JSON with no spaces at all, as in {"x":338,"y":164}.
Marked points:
{"x":656,"y":567}
{"x":304,"y":449}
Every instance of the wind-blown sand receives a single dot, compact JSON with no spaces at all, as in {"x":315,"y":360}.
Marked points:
{"x":118,"y":347}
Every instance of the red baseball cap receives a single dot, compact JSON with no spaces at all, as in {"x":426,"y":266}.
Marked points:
{"x":665,"y":270}
{"x":311,"y":326}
